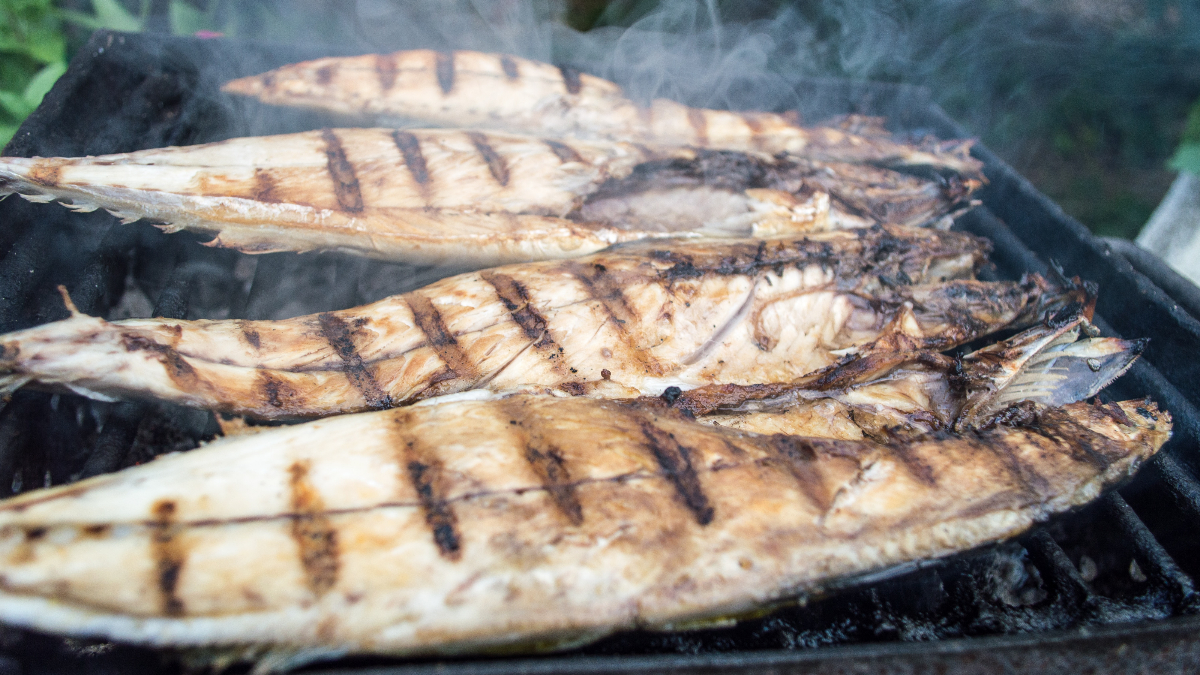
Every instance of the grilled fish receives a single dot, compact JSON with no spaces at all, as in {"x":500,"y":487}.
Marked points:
{"x":527,"y":522}
{"x":431,"y":195}
{"x":498,"y":91}
{"x":633,"y":320}
{"x":892,"y":390}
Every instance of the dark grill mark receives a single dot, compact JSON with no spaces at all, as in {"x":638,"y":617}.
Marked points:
{"x":251,"y":335}
{"x":571,"y":80}
{"x":325,"y":74}
{"x":548,"y":464}
{"x":429,"y":320}
{"x":169,"y":555}
{"x":509,"y":67}
{"x":566,"y":154}
{"x":546,"y":460}
{"x":602,"y":286}
{"x":313,"y":532}
{"x":699,"y":125}
{"x":516,"y":300}
{"x":799,"y":458}
{"x":676,"y":462}
{"x":916,"y":466}
{"x":340,"y":336}
{"x":445,"y":71}
{"x":1029,"y":481}
{"x":496,"y":164}
{"x":97,"y":530}
{"x":385,"y":66}
{"x":264,"y":187}
{"x":345,"y":182}
{"x":410,"y":147}
{"x":277,"y":393}
{"x":426,"y":475}
{"x":178,"y":369}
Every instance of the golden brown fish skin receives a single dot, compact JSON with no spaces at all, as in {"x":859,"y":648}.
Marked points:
{"x":483,"y":198}
{"x":411,"y":195}
{"x":473,"y":89}
{"x":651,"y":318}
{"x":459,"y":526}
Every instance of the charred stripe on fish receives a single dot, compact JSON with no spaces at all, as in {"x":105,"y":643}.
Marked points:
{"x":341,"y":171}
{"x":316,"y":538}
{"x":340,"y":336}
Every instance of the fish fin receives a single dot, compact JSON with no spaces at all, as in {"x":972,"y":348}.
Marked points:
{"x":266,"y":659}
{"x":66,"y":297}
{"x":11,"y":382}
{"x":90,"y":393}
{"x":38,"y":198}
{"x":282,"y":660}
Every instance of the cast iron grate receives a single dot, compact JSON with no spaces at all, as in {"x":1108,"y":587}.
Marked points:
{"x":1109,"y":586}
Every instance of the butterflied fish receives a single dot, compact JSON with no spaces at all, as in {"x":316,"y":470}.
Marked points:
{"x":499,"y":91}
{"x":434,"y":195}
{"x":893,"y":390}
{"x":524,"y":522}
{"x":633,"y":320}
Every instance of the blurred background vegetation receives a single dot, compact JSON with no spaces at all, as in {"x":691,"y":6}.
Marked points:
{"x":1093,"y":100}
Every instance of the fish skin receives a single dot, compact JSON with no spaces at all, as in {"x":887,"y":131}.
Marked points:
{"x":541,"y":100}
{"x":688,"y":315}
{"x":435,"y":195}
{"x":460,"y":526}
{"x":351,"y":190}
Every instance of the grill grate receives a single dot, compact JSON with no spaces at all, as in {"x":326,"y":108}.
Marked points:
{"x":1128,"y":559}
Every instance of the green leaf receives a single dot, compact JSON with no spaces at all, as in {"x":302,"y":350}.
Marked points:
{"x":15,"y":104}
{"x":42,"y":82}
{"x":7,"y":131}
{"x":186,"y":19}
{"x":80,"y":19}
{"x":48,"y":46}
{"x":1186,"y":158}
{"x":113,"y":16}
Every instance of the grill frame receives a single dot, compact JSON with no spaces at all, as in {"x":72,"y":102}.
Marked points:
{"x":166,"y":94}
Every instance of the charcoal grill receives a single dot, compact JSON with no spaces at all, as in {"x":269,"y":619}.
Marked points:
{"x":1106,"y":589}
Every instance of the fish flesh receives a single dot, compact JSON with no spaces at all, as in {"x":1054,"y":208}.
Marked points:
{"x":524,"y":523}
{"x":499,"y":91}
{"x":892,"y":390}
{"x":626,"y":322}
{"x":428,"y":196}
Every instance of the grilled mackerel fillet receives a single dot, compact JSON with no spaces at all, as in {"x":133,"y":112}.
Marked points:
{"x":527,"y":522}
{"x":631,"y":321}
{"x":892,"y":389}
{"x":433,"y":195}
{"x":497,"y":91}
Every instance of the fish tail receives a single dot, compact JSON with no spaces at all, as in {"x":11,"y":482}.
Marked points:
{"x":1047,"y":364}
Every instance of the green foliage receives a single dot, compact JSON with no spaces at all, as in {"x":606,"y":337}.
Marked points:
{"x":33,"y":54}
{"x":1187,"y":156}
{"x":34,"y":44}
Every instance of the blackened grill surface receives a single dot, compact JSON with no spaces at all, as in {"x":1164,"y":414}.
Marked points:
{"x":1107,"y":589}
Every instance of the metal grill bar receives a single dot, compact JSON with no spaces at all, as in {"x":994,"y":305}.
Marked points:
{"x":1184,"y":490}
{"x":1066,"y":584}
{"x":1151,"y":553}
